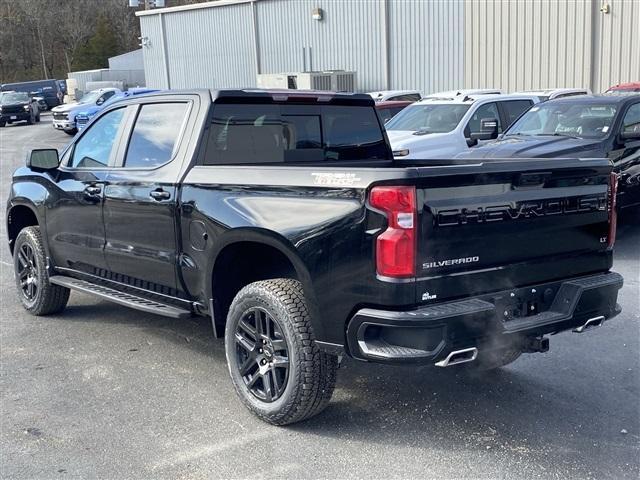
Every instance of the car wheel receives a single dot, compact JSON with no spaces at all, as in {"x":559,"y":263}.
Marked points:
{"x":36,"y":294}
{"x":2,"y":124}
{"x":276,"y":368}
{"x":73,"y":131}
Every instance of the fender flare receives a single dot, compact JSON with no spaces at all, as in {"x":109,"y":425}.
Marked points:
{"x":284,"y":246}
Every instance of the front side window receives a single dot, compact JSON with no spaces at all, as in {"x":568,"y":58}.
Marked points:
{"x":631,"y":121}
{"x":568,"y":119}
{"x":155,"y":134}
{"x":515,"y":108}
{"x":486,"y":111}
{"x":95,"y":147}
{"x":428,"y":118}
{"x":268,"y":134}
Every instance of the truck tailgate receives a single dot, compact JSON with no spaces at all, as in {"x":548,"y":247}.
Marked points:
{"x":509,"y":223}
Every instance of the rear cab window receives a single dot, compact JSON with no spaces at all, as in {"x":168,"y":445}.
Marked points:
{"x":289,"y":133}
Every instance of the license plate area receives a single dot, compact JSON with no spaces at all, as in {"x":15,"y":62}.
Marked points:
{"x":524,"y":302}
{"x":13,"y":117}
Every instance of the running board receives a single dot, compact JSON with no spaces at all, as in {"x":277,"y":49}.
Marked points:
{"x":116,"y":296}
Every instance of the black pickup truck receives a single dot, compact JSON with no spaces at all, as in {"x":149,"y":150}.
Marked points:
{"x":283,"y":217}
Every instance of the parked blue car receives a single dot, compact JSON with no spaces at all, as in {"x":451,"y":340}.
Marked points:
{"x":84,"y":117}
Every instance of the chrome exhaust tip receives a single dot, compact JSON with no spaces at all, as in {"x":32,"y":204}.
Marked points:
{"x":590,"y":324}
{"x":459,"y":356}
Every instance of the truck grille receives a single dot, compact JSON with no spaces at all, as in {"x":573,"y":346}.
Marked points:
{"x":60,"y":116}
{"x":81,"y":120}
{"x":13,"y":109}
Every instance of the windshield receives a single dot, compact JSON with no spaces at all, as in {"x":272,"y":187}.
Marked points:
{"x":91,"y":97}
{"x":9,"y":97}
{"x":571,"y":120}
{"x":428,"y":118}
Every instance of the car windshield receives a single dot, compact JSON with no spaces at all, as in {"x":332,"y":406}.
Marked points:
{"x":428,"y":118}
{"x":91,"y":97}
{"x":566,"y":119}
{"x":9,"y":97}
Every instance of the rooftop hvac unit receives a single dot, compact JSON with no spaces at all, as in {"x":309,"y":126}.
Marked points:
{"x":332,"y":80}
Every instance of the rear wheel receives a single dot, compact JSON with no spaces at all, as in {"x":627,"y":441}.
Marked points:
{"x":276,"y":368}
{"x":2,"y":124}
{"x":36,"y":294}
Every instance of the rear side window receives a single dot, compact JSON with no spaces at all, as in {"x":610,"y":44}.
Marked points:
{"x":409,"y":97}
{"x":514,"y":108}
{"x":272,"y":134}
{"x":155,"y":134}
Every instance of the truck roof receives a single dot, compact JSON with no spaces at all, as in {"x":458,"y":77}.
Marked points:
{"x":470,"y":99}
{"x":291,"y":96}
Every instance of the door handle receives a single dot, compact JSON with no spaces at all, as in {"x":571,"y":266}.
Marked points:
{"x":92,"y":190}
{"x":160,"y":195}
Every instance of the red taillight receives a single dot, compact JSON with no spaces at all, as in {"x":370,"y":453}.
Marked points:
{"x":613,"y":214}
{"x":396,"y":246}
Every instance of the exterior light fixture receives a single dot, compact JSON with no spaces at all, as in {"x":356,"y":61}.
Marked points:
{"x":318,"y":14}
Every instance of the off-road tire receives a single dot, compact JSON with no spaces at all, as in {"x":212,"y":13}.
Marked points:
{"x":71,"y":132}
{"x":312,"y":372}
{"x":48,"y":298}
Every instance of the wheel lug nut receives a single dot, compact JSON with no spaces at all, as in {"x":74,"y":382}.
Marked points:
{"x":263,"y":362}
{"x":260,"y":350}
{"x":264,"y":342}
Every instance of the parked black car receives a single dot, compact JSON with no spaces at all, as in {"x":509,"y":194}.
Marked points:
{"x":18,"y":107}
{"x":284,"y":218}
{"x":578,"y":127}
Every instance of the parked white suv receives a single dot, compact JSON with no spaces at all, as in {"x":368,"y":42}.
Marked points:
{"x":64,"y":115}
{"x":468,"y":92}
{"x":551,"y":93}
{"x":436,"y":128}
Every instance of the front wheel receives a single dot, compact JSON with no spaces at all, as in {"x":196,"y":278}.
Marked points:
{"x":276,"y":368}
{"x":36,"y":294}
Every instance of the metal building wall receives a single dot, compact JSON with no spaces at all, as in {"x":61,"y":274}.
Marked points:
{"x":518,"y":45}
{"x":426,"y":45}
{"x":350,"y":37}
{"x":154,"y":65}
{"x":617,"y":44}
{"x":202,"y":48}
{"x":215,"y":46}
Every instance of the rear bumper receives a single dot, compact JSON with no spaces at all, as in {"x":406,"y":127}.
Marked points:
{"x":495,"y":321}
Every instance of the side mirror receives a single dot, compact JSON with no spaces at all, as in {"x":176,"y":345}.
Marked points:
{"x":100,"y":101}
{"x":43,"y":159}
{"x":488,"y":130}
{"x":630,"y":135}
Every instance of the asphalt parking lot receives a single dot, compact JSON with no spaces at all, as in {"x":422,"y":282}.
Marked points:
{"x":103,"y":391}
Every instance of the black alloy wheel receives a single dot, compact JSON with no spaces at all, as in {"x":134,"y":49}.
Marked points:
{"x":262,"y":354}
{"x":28,"y":275}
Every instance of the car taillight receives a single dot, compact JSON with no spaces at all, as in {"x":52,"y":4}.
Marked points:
{"x":613,"y":215}
{"x":396,"y":246}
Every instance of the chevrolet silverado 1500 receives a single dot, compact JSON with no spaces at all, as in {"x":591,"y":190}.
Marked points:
{"x":283,"y":217}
